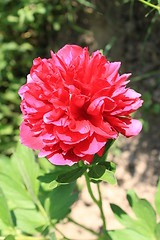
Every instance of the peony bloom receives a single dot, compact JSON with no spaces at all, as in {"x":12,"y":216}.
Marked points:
{"x":73,"y":103}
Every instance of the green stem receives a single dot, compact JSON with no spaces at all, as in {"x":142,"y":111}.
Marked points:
{"x":82,"y":226}
{"x":101,"y":207}
{"x":150,"y":4}
{"x":42,"y":210}
{"x":61,"y":233}
{"x":97,"y":202}
{"x":90,"y":189}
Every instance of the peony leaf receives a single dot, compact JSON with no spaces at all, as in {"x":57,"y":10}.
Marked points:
{"x":99,"y":172}
{"x":143,"y":211}
{"x":15,"y":193}
{"x":45,"y":164}
{"x":53,"y":175}
{"x":145,"y":223}
{"x":109,"y":166}
{"x":9,"y":237}
{"x":157,"y":198}
{"x":29,"y":221}
{"x":60,"y":200}
{"x":126,"y":234}
{"x":109,"y":177}
{"x":157,"y":231}
{"x":53,"y":185}
{"x":49,"y":177}
{"x":96,"y":172}
{"x":7,"y":166}
{"x":25,"y":161}
{"x":131,"y":223}
{"x":122,"y":216}
{"x":5,"y":215}
{"x":52,"y":236}
{"x":72,"y":175}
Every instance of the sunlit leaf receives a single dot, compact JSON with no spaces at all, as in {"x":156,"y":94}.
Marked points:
{"x":130,"y":223}
{"x":52,"y":236}
{"x":99,"y":172}
{"x":157,"y":231}
{"x":10,"y":237}
{"x":143,"y":210}
{"x":28,"y":168}
{"x":5,"y":215}
{"x":29,"y":221}
{"x":126,"y":234}
{"x":15,"y":193}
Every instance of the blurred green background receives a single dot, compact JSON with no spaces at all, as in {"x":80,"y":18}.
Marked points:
{"x":126,"y":31}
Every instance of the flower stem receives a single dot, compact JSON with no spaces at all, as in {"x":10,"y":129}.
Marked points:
{"x":150,"y":4}
{"x":61,"y":233}
{"x":82,"y":226}
{"x":97,"y":202}
{"x":90,"y":189}
{"x":101,"y":207}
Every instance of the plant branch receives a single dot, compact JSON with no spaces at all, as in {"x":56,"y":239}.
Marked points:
{"x":82,"y":226}
{"x":97,"y":202}
{"x":150,"y":4}
{"x":101,"y":207}
{"x":89,"y":189}
{"x":61,"y":233}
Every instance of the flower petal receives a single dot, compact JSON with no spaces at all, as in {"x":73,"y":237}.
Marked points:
{"x":28,"y":139}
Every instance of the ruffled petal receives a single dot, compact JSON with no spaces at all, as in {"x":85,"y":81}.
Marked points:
{"x":69,"y":52}
{"x":28,"y":138}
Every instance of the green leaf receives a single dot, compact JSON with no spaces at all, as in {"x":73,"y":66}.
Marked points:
{"x":99,"y":172}
{"x":157,"y":198}
{"x":135,"y":224}
{"x":29,"y":221}
{"x":52,"y":236}
{"x":109,"y":177}
{"x":9,"y":237}
{"x":5,"y":215}
{"x":8,"y":167}
{"x":71,"y":176}
{"x":45,"y":164}
{"x":49,"y":177}
{"x":126,"y":234}
{"x":58,"y":170}
{"x":86,"y":3}
{"x":96,"y":171}
{"x":60,"y":201}
{"x":53,"y":185}
{"x":122,"y":216}
{"x":109,"y":165}
{"x":25,"y":47}
{"x":143,"y":210}
{"x":15,"y":193}
{"x":157,"y":231}
{"x":28,"y":168}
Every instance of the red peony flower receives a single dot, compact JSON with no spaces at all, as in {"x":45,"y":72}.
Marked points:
{"x":73,"y":103}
